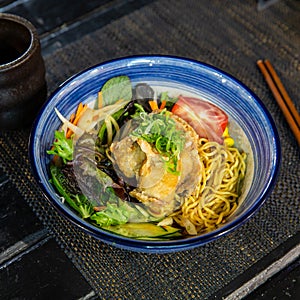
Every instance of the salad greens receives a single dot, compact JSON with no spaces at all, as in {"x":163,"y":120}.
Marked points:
{"x":110,"y":210}
{"x":113,"y":212}
{"x":79,"y":202}
{"x":85,"y":178}
{"x":115,"y":89}
{"x":62,"y":146}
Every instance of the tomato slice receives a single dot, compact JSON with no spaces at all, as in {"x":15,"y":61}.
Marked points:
{"x":208,"y":120}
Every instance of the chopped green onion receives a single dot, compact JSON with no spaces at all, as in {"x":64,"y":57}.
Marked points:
{"x":160,"y":131}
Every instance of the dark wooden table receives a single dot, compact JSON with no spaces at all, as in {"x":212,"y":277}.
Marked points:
{"x":32,"y":265}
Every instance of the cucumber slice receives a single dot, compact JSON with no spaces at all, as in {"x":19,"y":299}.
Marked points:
{"x":171,"y":236}
{"x":142,"y":230}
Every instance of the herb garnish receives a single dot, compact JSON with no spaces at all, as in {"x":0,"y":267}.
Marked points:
{"x":159,"y":130}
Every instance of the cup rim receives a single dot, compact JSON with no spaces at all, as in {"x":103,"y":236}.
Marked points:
{"x":34,"y":40}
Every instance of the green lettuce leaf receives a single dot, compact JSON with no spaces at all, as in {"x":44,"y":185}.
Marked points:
{"x":111,"y":215}
{"x":115,"y":89}
{"x":80,"y":203}
{"x":62,"y":146}
{"x":121,"y":213}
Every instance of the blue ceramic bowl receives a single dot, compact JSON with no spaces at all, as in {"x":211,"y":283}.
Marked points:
{"x":259,"y":135}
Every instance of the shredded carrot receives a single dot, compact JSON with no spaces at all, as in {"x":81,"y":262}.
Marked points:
{"x":79,"y":109}
{"x":99,"y":208}
{"x":72,"y":117}
{"x":55,"y":159}
{"x":163,"y":104}
{"x":69,"y":133}
{"x":153,"y":105}
{"x":75,"y":118}
{"x":79,"y":114}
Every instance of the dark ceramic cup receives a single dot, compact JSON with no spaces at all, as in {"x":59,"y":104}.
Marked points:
{"x":23,"y":86}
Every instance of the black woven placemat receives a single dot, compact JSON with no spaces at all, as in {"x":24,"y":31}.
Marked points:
{"x":230,"y":35}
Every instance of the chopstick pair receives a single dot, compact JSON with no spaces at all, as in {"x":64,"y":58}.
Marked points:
{"x":281,"y":96}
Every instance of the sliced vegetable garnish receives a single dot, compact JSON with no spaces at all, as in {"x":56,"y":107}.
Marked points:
{"x":77,"y":130}
{"x":208,"y":120}
{"x":75,"y":118}
{"x":144,"y":230}
{"x":153,"y":105}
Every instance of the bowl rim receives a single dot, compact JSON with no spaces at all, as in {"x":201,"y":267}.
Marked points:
{"x":158,"y":246}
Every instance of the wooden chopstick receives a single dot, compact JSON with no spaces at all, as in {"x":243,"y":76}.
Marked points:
{"x":281,"y":96}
